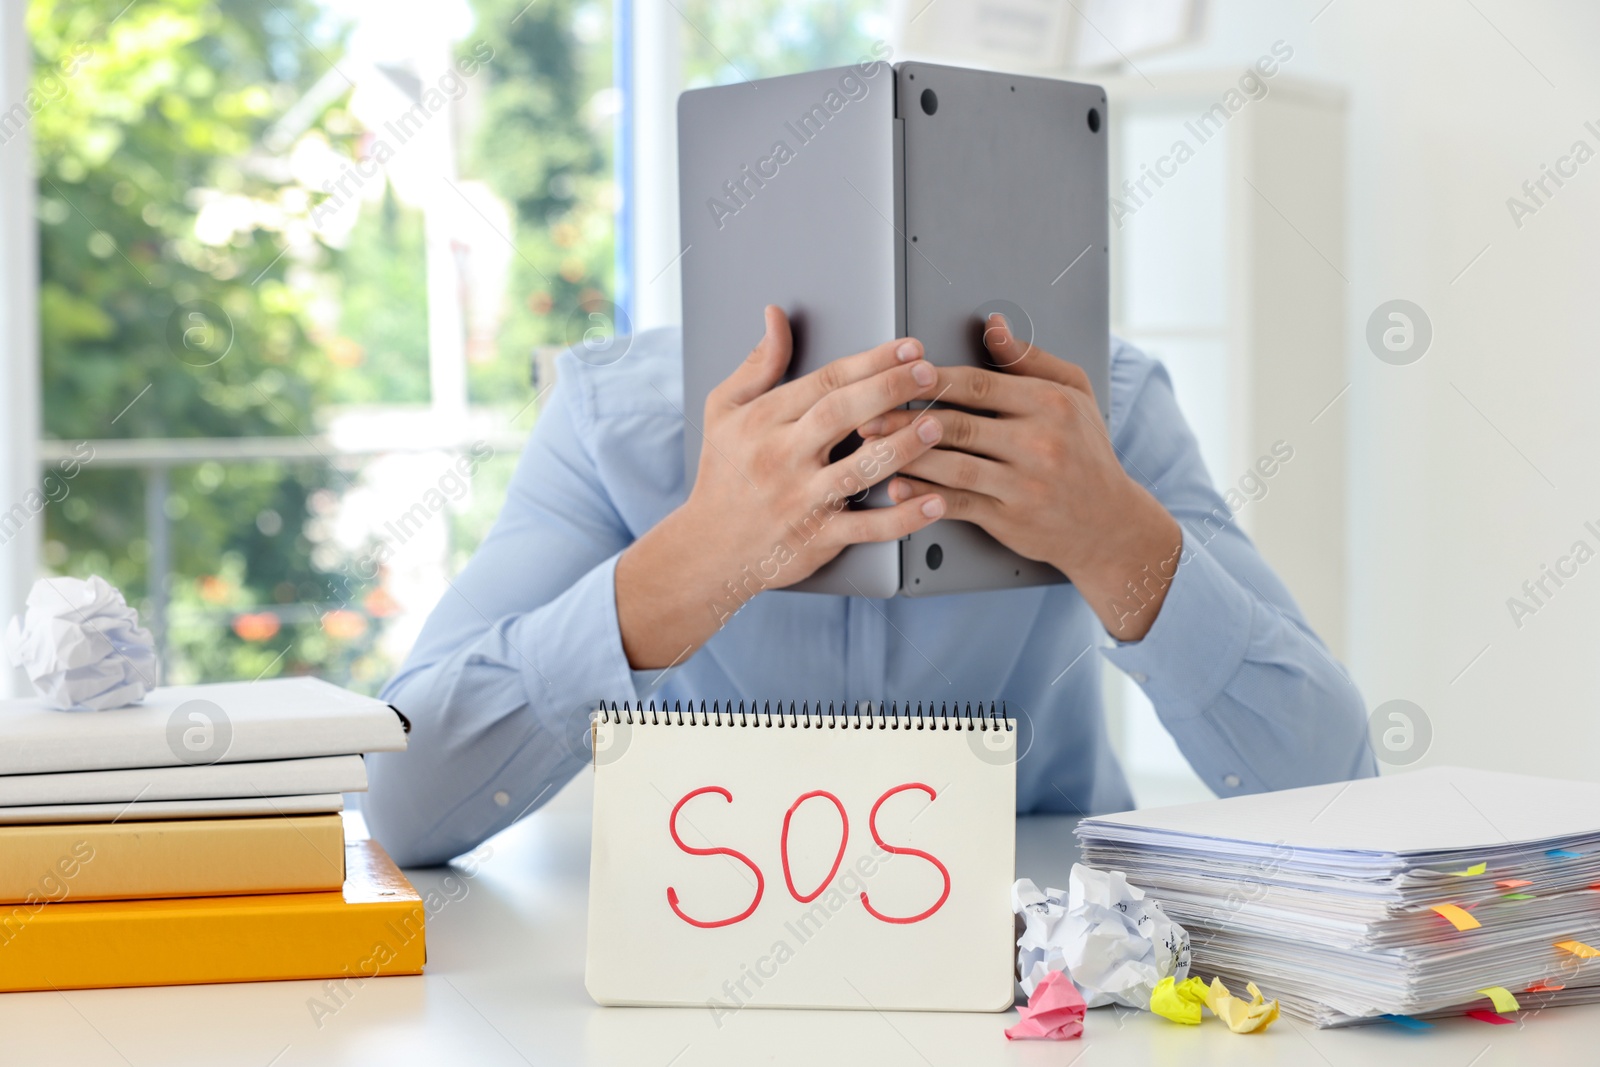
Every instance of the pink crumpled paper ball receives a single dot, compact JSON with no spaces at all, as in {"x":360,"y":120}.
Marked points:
{"x":1053,"y":1013}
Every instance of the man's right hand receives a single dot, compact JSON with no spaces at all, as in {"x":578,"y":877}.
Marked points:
{"x":768,"y":508}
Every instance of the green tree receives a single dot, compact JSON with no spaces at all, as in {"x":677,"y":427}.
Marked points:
{"x":162,"y":115}
{"x":163,"y":226}
{"x":543,"y":144}
{"x":381,"y":348}
{"x":183,"y":294}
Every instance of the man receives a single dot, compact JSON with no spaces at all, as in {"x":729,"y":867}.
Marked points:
{"x":606,"y":578}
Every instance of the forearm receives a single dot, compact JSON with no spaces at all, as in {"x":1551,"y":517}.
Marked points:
{"x":1251,"y":696}
{"x":670,"y":592}
{"x":498,"y":721}
{"x":476,"y":740}
{"x":1124,"y":575}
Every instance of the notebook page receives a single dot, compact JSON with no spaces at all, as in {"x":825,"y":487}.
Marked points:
{"x":734,"y":932}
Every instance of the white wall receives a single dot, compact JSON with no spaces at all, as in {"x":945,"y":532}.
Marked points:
{"x":1452,"y":458}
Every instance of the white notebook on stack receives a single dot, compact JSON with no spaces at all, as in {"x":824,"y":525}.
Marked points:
{"x":285,"y":746}
{"x":174,"y":726}
{"x":791,"y":858}
{"x":1403,"y":895}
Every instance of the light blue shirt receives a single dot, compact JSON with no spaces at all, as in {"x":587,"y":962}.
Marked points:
{"x":519,"y":651}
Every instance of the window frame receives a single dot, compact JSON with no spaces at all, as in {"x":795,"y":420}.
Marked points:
{"x":19,"y":331}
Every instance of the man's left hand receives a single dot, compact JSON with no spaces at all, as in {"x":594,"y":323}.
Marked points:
{"x":1041,"y":476}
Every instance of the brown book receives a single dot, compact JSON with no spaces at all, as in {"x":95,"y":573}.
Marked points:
{"x":51,"y":863}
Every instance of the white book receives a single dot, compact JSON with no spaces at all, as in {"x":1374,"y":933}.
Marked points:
{"x":142,"y":810}
{"x":230,"y":722}
{"x":271,"y":778}
{"x":803,"y":861}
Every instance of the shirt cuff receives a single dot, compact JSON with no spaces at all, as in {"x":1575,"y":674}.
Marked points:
{"x":1199,"y":638}
{"x":571,"y":652}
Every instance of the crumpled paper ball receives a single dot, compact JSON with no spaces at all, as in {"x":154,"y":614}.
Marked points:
{"x":1115,"y":944}
{"x":1054,"y":1011}
{"x":1243,"y":1017}
{"x":1180,"y":1001}
{"x":82,"y":645}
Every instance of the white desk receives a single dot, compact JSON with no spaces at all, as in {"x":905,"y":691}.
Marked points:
{"x":504,"y":985}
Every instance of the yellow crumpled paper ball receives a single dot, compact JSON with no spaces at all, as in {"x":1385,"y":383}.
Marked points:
{"x":1241,"y":1017}
{"x":1179,"y":1001}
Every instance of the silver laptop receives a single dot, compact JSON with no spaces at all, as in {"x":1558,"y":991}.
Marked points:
{"x":872,"y":202}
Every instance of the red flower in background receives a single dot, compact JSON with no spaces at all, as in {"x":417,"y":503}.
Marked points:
{"x":257,"y":627}
{"x":343,"y":625}
{"x":379,"y":604}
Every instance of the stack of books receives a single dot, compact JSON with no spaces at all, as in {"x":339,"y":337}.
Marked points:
{"x":1440,"y":892}
{"x":197,"y":837}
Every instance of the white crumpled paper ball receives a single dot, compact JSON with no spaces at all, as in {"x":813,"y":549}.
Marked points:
{"x":82,"y":645}
{"x":1113,"y":942}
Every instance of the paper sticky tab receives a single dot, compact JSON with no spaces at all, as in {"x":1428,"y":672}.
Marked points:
{"x":1407,"y":1022}
{"x":1579,"y":949}
{"x":1476,"y":868}
{"x":1179,"y":1001}
{"x":1544,"y":987}
{"x":1488,"y":1017}
{"x":1053,"y":1013}
{"x":1459,"y":917}
{"x":1513,"y":883}
{"x":1242,"y":1017}
{"x":1502,"y":998}
{"x":1518,"y":896}
{"x":1563,"y":854}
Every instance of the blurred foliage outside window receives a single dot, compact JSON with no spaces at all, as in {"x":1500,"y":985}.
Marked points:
{"x":187,"y":156}
{"x":725,"y":41}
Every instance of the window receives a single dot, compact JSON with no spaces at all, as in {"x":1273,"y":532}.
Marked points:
{"x":295,"y":259}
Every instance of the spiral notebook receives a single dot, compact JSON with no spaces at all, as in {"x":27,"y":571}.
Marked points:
{"x":803,"y":858}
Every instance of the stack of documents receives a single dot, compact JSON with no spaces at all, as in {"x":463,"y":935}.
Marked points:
{"x":149,"y":844}
{"x":1437,"y":892}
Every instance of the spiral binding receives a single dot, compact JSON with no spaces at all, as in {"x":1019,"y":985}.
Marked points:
{"x":876,"y":716}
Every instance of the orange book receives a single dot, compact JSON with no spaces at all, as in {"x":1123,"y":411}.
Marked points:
{"x":373,"y":927}
{"x":61,"y":862}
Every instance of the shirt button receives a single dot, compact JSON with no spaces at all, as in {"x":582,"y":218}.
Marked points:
{"x":1231,"y":781}
{"x":1139,"y":676}
{"x":502,"y":798}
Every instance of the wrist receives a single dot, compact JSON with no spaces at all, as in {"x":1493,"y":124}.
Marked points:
{"x":1125,"y":574}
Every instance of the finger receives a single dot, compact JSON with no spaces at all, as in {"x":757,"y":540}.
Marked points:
{"x":981,"y":389}
{"x":880,"y":457}
{"x":958,"y":503}
{"x":889,"y":524}
{"x":1016,"y":356}
{"x":837,"y":413}
{"x":794,"y":399}
{"x":962,"y":431}
{"x":958,"y":470}
{"x":764,"y":366}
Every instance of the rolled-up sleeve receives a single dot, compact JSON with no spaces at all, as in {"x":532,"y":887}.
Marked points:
{"x":1251,"y":695}
{"x":521,"y":647}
